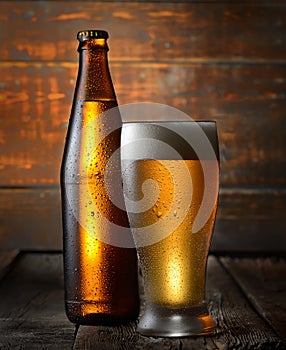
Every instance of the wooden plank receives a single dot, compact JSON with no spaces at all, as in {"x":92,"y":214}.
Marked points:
{"x":250,"y":221}
{"x":7,"y":258}
{"x":238,"y":325}
{"x":263,"y":282}
{"x":119,"y":337}
{"x":30,"y":219}
{"x":147,"y":30}
{"x":35,"y":317}
{"x":248,"y":103}
{"x":169,"y":1}
{"x":247,"y":221}
{"x":172,"y":1}
{"x":31,"y":305}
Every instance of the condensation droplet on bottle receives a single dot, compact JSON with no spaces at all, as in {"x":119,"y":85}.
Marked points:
{"x":159,"y":214}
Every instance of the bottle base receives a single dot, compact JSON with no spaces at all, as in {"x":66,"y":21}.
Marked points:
{"x":94,"y":314}
{"x":158,"y":321}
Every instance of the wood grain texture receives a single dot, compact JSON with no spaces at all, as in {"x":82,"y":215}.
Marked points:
{"x":250,"y":221}
{"x":263,"y":282}
{"x":239,"y":326}
{"x":215,"y":59}
{"x":32,"y":308}
{"x":7,"y":258}
{"x":246,"y":101}
{"x":31,"y":220}
{"x":244,"y":93}
{"x":32,"y":314}
{"x":147,"y":31}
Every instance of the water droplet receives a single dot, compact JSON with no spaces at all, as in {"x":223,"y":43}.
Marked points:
{"x":92,"y":213}
{"x":159,"y":214}
{"x":175,"y":212}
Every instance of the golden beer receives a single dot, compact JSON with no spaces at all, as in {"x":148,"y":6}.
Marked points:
{"x":174,"y":268}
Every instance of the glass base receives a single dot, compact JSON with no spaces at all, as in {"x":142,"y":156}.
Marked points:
{"x":158,"y":321}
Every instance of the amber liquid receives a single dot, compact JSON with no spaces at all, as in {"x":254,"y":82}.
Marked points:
{"x":100,"y":279}
{"x":174,"y":267}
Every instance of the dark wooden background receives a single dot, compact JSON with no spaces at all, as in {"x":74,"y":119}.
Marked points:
{"x":221,"y":60}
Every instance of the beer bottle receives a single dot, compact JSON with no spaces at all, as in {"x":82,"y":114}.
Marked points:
{"x":100,"y":266}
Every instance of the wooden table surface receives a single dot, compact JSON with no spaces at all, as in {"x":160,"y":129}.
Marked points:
{"x":246,"y":295}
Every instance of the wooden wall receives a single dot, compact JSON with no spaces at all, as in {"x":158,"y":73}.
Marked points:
{"x":216,"y":60}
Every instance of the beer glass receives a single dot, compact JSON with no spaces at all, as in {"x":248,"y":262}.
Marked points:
{"x":170,"y":173}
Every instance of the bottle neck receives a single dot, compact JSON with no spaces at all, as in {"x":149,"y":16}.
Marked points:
{"x":94,"y":81}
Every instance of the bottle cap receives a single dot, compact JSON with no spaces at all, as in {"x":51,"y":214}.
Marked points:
{"x":91,"y":34}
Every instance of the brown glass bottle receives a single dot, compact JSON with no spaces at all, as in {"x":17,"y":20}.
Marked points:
{"x":100,"y":266}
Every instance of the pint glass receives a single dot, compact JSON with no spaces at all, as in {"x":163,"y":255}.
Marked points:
{"x":170,"y":174}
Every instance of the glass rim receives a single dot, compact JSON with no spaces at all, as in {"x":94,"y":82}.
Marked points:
{"x":190,"y":139}
{"x":170,"y":122}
